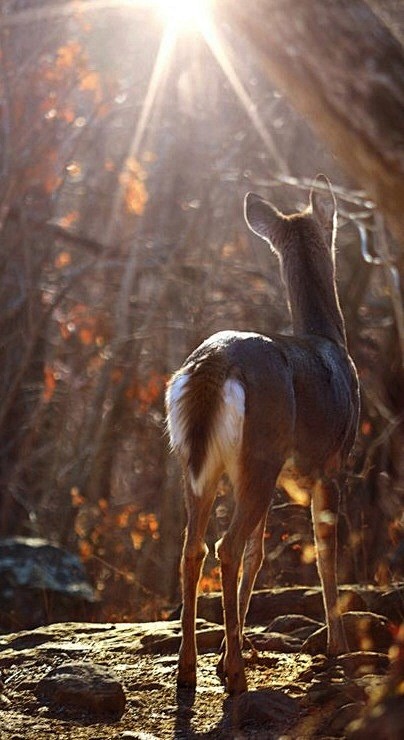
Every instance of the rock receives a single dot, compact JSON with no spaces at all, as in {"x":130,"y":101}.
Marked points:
{"x":278,"y":643}
{"x":297,"y":626}
{"x":303,"y":633}
{"x":83,"y":686}
{"x":292,"y":622}
{"x":268,"y":604}
{"x":208,"y":639}
{"x":162,"y":643}
{"x":336,"y":725}
{"x":361,"y":663}
{"x":381,"y":721}
{"x":266,"y":706}
{"x":364,"y":631}
{"x":340,"y":692}
{"x":41,"y":583}
{"x":390,"y":604}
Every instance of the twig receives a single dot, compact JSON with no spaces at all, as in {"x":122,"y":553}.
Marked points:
{"x":381,"y":439}
{"x":393,"y":280}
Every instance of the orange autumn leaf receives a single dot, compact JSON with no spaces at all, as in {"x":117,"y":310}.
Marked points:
{"x":147,"y":393}
{"x":308,"y":554}
{"x":49,"y":383}
{"x":77,"y":498}
{"x":152,"y":522}
{"x":86,"y":335}
{"x":85,"y":324}
{"x":133,"y":165}
{"x":51,"y":183}
{"x":137,"y":539}
{"x":63,"y":259}
{"x":122,"y":519}
{"x":67,"y":114}
{"x":85,"y":549}
{"x":68,"y":220}
{"x":132,"y":180}
{"x":92,"y":82}
{"x":136,"y":197}
{"x":67,"y":55}
{"x":210,"y":582}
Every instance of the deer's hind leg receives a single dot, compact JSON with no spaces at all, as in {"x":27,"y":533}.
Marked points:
{"x":251,"y":563}
{"x":252,"y":500}
{"x":325,"y":503}
{"x":193,"y":556}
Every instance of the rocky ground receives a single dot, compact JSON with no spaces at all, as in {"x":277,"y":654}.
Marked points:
{"x":86,"y":681}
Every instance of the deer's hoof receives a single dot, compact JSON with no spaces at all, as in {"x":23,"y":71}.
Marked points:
{"x":233,"y":679}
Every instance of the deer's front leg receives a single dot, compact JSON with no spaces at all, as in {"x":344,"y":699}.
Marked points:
{"x":325,"y":501}
{"x":252,"y":561}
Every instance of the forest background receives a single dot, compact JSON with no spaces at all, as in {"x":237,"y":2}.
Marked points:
{"x":127,"y":145}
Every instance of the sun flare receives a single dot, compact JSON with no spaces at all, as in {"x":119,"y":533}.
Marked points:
{"x":183,"y":14}
{"x":189,"y":16}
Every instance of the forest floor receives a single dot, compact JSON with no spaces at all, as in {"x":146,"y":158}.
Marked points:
{"x":292,"y":693}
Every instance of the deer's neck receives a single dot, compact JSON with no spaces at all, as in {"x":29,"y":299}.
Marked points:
{"x":312,"y":294}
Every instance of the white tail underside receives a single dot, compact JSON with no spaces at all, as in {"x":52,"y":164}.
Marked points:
{"x":226,"y":435}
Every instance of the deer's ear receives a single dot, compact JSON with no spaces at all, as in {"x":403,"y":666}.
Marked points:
{"x":324,"y":207}
{"x":265,"y":220}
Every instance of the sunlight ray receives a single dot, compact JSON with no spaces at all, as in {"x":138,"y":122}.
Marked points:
{"x":159,"y":73}
{"x":217,"y":47}
{"x":176,"y":20}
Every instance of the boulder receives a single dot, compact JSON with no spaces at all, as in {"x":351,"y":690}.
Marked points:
{"x":83,"y":687}
{"x":365,"y":631}
{"x":41,"y":583}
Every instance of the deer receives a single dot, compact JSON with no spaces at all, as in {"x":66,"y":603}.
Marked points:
{"x":279,"y":411}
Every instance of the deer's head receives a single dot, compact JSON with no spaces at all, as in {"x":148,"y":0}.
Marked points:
{"x":315,"y":226}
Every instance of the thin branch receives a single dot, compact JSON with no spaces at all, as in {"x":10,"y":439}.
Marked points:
{"x":29,"y":350}
{"x":381,"y":439}
{"x":393,"y":280}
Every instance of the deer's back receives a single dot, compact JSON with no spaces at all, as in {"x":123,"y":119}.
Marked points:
{"x":301,"y":394}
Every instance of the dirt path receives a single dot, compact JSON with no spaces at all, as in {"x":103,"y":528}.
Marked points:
{"x":291,"y":694}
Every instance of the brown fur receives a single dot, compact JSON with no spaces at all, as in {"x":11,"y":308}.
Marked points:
{"x":300,"y":417}
{"x":200,"y":405}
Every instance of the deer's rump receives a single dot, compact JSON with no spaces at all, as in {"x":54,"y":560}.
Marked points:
{"x":246,"y":393}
